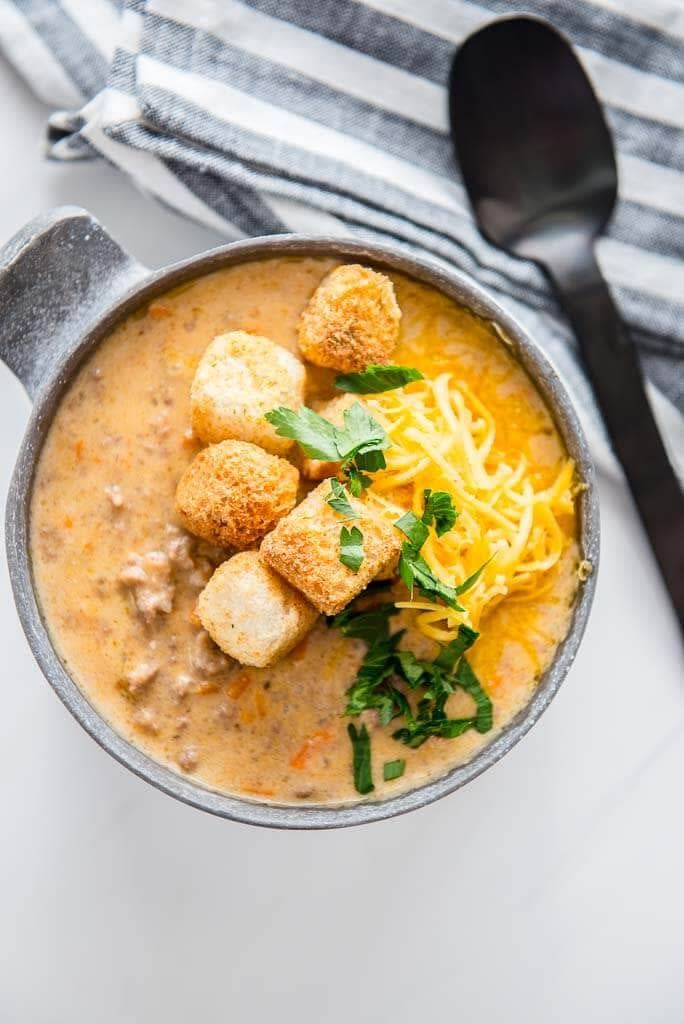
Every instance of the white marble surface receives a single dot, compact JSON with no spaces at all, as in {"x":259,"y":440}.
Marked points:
{"x":550,"y":890}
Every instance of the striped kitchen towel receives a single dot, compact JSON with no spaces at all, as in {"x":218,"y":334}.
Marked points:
{"x":330,"y":116}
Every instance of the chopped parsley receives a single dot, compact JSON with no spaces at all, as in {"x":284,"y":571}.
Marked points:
{"x":339,"y":500}
{"x":439,"y":508}
{"x":369,"y":626}
{"x":315,"y":435}
{"x":357,"y":480}
{"x":393,"y":769}
{"x":413,"y":528}
{"x":398,"y":685}
{"x":351,"y":547}
{"x":413,"y":568}
{"x":361,"y":759}
{"x":376,"y":378}
{"x":359,"y":446}
{"x":361,"y":441}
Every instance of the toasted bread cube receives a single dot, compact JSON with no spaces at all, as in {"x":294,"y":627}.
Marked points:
{"x":239,"y":379}
{"x":305,"y":549}
{"x":252,"y":613}
{"x":332,"y":409}
{"x":233,"y":493}
{"x":351,"y":320}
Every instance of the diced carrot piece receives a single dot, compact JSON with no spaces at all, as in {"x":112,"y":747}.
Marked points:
{"x":260,"y":703}
{"x":79,"y":448}
{"x":258,"y":790}
{"x":239,"y":684}
{"x":158,"y":311}
{"x":312,"y":745}
{"x":206,"y":687}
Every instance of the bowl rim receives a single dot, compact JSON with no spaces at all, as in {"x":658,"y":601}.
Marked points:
{"x":457,"y":286}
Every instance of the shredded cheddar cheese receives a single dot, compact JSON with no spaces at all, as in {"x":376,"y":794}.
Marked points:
{"x":444,"y":438}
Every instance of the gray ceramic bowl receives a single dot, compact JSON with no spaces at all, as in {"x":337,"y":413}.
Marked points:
{"x":64,"y":283}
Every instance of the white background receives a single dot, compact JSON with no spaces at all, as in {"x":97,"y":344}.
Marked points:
{"x":549,"y":890}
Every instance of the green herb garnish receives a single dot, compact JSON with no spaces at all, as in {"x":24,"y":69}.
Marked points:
{"x":339,"y":500}
{"x":371,"y":626}
{"x":358,"y":446}
{"x":439,"y":508}
{"x":357,"y":480}
{"x":361,"y":759}
{"x":316,"y":436}
{"x":376,"y":378}
{"x":385,"y":668}
{"x":351,"y":547}
{"x":415,"y":571}
{"x":413,"y":568}
{"x":393,"y":769}
{"x":468,"y":681}
{"x":361,"y":440}
{"x":414,"y":529}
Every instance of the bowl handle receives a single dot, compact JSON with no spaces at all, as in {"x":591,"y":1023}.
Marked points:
{"x":56,"y":276}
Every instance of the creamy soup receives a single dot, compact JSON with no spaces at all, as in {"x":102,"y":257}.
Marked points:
{"x":118,"y":578}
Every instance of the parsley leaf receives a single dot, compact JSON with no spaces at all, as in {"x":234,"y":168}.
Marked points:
{"x":371,"y":626}
{"x":416,"y":733}
{"x":449,"y":656}
{"x":315,"y":435}
{"x":413,"y":528}
{"x":351,"y":548}
{"x":338,"y":500}
{"x":393,"y":769}
{"x":439,"y":508}
{"x":468,"y":681}
{"x":368,"y":691}
{"x":376,"y":378}
{"x":414,"y":570}
{"x":361,"y":759}
{"x":411,"y":668}
{"x":472,"y":580}
{"x":357,"y":480}
{"x":361,"y":437}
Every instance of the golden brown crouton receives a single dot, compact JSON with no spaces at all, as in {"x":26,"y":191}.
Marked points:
{"x":234,"y":492}
{"x":305,"y":549}
{"x":252,"y":613}
{"x":332,"y":409}
{"x":239,"y":379}
{"x":351,"y":320}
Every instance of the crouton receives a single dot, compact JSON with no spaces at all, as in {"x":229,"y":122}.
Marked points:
{"x":234,"y":492}
{"x":239,"y":379}
{"x":332,"y":409}
{"x":305,"y":549}
{"x":252,"y":613}
{"x":351,"y":320}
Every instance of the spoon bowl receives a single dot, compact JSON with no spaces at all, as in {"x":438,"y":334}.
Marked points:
{"x":539,"y":168}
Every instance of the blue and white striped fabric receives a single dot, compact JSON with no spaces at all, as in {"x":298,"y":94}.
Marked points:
{"x":258,"y":116}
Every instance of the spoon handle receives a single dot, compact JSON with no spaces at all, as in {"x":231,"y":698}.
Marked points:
{"x":612,"y":361}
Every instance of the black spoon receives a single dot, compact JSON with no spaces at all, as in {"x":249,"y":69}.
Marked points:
{"x":538,"y":164}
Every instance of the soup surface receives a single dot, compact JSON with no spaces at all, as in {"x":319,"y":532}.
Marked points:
{"x":103,"y":504}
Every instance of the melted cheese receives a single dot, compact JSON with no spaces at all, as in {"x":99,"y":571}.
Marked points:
{"x":444,"y":438}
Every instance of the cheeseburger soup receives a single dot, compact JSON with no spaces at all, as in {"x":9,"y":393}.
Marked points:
{"x":305,"y":607}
